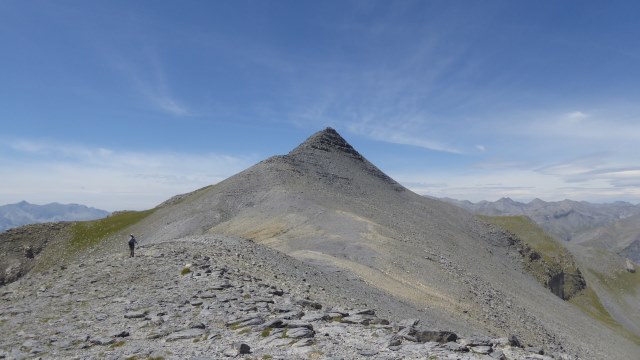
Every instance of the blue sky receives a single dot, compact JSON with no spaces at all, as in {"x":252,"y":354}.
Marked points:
{"x":123,"y":104}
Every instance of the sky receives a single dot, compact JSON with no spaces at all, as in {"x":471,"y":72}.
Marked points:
{"x":123,"y":104}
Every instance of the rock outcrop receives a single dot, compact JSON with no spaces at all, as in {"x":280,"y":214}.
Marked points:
{"x":20,"y":247}
{"x":230,"y":304}
{"x":329,"y":231}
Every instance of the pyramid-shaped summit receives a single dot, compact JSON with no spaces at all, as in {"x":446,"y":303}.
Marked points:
{"x":327,"y":140}
{"x":328,"y":155}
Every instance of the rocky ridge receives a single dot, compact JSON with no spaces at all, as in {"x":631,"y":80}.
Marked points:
{"x":333,"y":229}
{"x":212,"y":297}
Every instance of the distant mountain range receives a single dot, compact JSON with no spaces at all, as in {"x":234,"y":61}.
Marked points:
{"x":614,"y":226}
{"x":23,"y":213}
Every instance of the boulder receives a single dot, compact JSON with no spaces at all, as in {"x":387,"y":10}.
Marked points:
{"x":424,"y":335}
{"x":236,"y":349}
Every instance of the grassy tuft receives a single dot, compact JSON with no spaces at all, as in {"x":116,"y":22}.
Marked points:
{"x":118,"y":344}
{"x":266,"y":332}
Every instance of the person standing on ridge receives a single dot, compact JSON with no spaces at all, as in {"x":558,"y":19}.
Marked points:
{"x":132,"y":245}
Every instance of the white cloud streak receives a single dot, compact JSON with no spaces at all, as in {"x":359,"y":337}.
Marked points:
{"x":392,"y":134}
{"x":150,"y":82}
{"x":523,"y":185}
{"x":109,"y":179}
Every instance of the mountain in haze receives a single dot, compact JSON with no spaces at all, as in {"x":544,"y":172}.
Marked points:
{"x":614,"y":227}
{"x":22,"y":213}
{"x":621,"y":237}
{"x":564,"y":219}
{"x":379,"y":244}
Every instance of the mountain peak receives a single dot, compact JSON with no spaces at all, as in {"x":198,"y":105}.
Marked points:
{"x":327,"y":140}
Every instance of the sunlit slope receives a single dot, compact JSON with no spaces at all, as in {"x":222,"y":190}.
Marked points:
{"x":326,"y":204}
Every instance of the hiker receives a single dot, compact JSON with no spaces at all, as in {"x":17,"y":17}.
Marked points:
{"x":132,"y":245}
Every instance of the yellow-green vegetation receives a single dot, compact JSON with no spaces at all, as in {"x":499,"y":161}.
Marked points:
{"x":530,"y":233}
{"x":620,"y":282}
{"x":267,"y":357}
{"x":589,"y":302}
{"x":117,"y":344}
{"x":266,"y":332}
{"x":545,"y":258}
{"x":89,"y":233}
{"x":185,"y":271}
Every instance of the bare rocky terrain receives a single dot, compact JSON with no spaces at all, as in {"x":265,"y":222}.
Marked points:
{"x":316,"y":254}
{"x":211,"y":297}
{"x":603,"y":238}
{"x":20,"y":247}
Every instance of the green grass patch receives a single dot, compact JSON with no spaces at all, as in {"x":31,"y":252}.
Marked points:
{"x":90,"y":233}
{"x":118,"y":344}
{"x":530,"y":233}
{"x":267,"y":357}
{"x":185,"y":271}
{"x":543,"y":256}
{"x":589,"y":302}
{"x":622,"y":282}
{"x":244,"y":331}
{"x":266,"y":332}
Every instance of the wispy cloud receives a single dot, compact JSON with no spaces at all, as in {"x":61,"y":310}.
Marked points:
{"x":576,"y":116}
{"x":106,"y":178}
{"x":395,"y":135}
{"x":148,"y":79}
{"x":579,"y":125}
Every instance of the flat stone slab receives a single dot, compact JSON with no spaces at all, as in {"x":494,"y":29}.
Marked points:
{"x":135,"y":314}
{"x":484,"y":350}
{"x":299,"y":333}
{"x":186,"y":334}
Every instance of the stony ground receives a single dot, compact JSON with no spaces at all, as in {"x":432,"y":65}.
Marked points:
{"x":210,"y":297}
{"x":19,"y":247}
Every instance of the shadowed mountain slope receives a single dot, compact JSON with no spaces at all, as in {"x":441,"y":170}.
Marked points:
{"x":325,"y":204}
